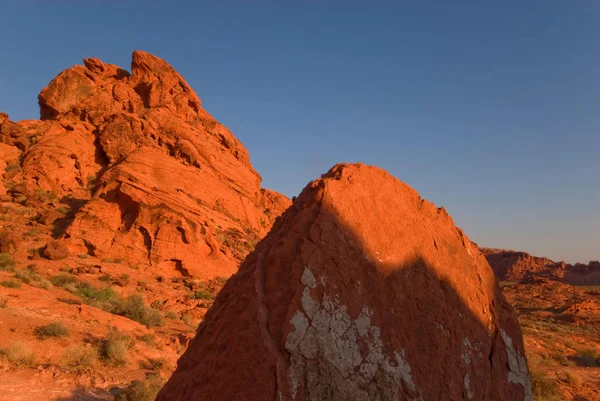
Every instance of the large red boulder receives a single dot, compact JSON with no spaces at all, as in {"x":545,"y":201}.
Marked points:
{"x":361,"y":291}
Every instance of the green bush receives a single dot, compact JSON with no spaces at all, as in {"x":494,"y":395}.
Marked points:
{"x":115,"y":347}
{"x":79,"y":357}
{"x":55,"y":329}
{"x":133,"y":308}
{"x":60,"y":280}
{"x":171,"y":315}
{"x":7,"y":263}
{"x":203,"y":294}
{"x":10,"y":284}
{"x":98,"y":297}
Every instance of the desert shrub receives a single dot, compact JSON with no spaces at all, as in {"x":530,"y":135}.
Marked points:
{"x":187,"y":319}
{"x":571,"y":377}
{"x":46,"y":196}
{"x":7,"y":263}
{"x":62,"y":210}
{"x":133,"y":308}
{"x":140,"y":391}
{"x":105,"y":278}
{"x":60,"y":280}
{"x":23,"y":277}
{"x":154,"y":364}
{"x":99,"y":297}
{"x":10,"y":283}
{"x":148,"y":339}
{"x":544,"y":387}
{"x":55,"y":329}
{"x":79,"y":357}
{"x":588,"y":358}
{"x":171,"y":315}
{"x":32,"y":233}
{"x":45,"y":284}
{"x":203,"y":295}
{"x":115,"y":347}
{"x":157,"y":304}
{"x":83,"y":256}
{"x":19,"y":353}
{"x":221,"y":280}
{"x":12,"y":167}
{"x":122,"y":280}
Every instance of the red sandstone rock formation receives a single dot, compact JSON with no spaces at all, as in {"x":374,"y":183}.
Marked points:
{"x":361,"y":291}
{"x":515,"y":266}
{"x":152,"y":177}
{"x":511,"y":265}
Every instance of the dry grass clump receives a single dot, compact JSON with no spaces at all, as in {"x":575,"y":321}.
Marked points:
{"x":19,"y":353}
{"x":56,"y":329}
{"x":115,"y":348}
{"x":79,"y":357}
{"x":146,"y":390}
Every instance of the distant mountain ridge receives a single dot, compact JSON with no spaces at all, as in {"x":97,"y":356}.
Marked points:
{"x":516,"y":265}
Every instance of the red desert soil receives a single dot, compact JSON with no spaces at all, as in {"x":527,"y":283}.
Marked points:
{"x":123,"y":210}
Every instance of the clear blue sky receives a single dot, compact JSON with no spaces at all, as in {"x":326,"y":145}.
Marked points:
{"x":491,"y":109}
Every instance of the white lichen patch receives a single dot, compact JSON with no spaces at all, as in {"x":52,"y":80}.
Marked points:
{"x":467,"y":386}
{"x":518,"y":367}
{"x":332,"y":352}
{"x":466,"y":353}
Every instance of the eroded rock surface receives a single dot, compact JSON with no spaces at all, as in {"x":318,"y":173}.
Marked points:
{"x":361,"y":291}
{"x":153,"y":179}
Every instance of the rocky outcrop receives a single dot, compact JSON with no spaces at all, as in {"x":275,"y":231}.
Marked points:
{"x":511,"y":265}
{"x":515,"y":266}
{"x":153,"y":179}
{"x":361,"y":291}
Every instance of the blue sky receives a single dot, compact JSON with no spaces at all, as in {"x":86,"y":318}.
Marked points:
{"x":491,"y":109}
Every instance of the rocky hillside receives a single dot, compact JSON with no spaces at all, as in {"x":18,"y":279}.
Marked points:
{"x":514,"y":266}
{"x":123,"y":210}
{"x":361,"y":291}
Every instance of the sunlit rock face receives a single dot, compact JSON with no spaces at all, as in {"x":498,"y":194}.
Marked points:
{"x":361,"y":291}
{"x":153,"y":178}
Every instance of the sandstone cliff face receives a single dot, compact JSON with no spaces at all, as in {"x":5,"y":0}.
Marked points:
{"x":515,"y":266}
{"x":151,"y":176}
{"x":361,"y":291}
